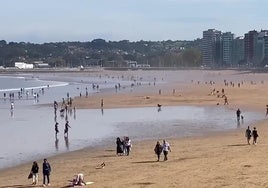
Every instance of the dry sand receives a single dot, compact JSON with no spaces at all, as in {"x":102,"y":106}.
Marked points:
{"x":215,"y":160}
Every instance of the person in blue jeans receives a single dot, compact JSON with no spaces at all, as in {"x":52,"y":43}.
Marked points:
{"x":46,"y":172}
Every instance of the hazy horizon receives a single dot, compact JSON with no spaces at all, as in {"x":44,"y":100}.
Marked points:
{"x":115,"y":20}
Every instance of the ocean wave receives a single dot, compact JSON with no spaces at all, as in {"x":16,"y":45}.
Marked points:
{"x":38,"y":84}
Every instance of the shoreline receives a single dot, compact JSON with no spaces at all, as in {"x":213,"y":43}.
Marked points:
{"x":142,"y":160}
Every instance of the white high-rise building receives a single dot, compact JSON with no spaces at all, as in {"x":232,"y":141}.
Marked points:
{"x":210,"y":47}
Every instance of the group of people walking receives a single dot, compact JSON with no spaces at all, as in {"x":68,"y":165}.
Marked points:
{"x":123,"y":147}
{"x":165,"y":148}
{"x":46,"y":173}
{"x":250,"y":134}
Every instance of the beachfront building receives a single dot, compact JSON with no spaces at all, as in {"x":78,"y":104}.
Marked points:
{"x":23,"y":65}
{"x":265,"y":55}
{"x":238,"y":51}
{"x":227,"y":48}
{"x":250,"y":47}
{"x":211,"y":47}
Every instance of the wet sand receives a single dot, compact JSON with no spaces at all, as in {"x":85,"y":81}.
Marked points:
{"x":215,"y":160}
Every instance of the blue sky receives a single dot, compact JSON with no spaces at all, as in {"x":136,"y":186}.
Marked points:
{"x":41,"y":21}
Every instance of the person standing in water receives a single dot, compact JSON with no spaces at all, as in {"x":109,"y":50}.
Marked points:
{"x":56,"y":129}
{"x":12,"y":106}
{"x":67,"y":126}
{"x":238,"y":113}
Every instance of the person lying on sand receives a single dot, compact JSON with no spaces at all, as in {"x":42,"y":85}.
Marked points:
{"x":102,"y":165}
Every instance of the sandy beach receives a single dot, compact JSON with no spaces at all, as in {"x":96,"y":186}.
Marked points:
{"x":222,"y":159}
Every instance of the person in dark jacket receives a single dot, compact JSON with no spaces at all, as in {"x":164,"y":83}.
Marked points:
{"x":119,"y":146}
{"x":255,"y":135}
{"x":46,"y":172}
{"x":34,"y":171}
{"x":158,"y":150}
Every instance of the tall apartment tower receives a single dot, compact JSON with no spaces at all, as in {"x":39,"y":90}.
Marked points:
{"x":211,"y":47}
{"x":238,"y":51}
{"x":250,"y":47}
{"x":265,"y":49}
{"x":227,"y":48}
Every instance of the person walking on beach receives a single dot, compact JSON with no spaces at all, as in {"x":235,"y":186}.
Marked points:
{"x":128,"y":145}
{"x":248,"y":135}
{"x":158,"y":150}
{"x":66,"y":130}
{"x":46,"y":172}
{"x":101,"y":103}
{"x":119,"y":146}
{"x":266,"y":110}
{"x":225,"y":100}
{"x":34,"y":172}
{"x":12,"y":106}
{"x":238,"y":113}
{"x":255,"y":135}
{"x":166,"y":149}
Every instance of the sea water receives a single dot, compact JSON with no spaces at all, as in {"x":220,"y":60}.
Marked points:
{"x":27,"y":132}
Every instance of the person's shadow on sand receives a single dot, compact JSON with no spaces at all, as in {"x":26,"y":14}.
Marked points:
{"x":20,"y":186}
{"x":145,"y":162}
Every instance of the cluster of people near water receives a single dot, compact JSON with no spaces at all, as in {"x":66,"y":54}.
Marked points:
{"x":123,"y":146}
{"x":21,"y":94}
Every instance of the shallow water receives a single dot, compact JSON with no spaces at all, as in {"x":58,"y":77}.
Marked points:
{"x":30,"y":133}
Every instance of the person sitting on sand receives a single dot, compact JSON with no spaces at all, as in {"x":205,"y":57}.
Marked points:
{"x":158,"y":150}
{"x":248,"y":135}
{"x":79,"y":180}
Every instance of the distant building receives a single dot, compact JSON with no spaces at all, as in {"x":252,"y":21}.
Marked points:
{"x":132,"y":64}
{"x":250,"y":47}
{"x":238,"y":51}
{"x":22,"y":65}
{"x":211,"y":47}
{"x":265,"y":55}
{"x":227,"y":48}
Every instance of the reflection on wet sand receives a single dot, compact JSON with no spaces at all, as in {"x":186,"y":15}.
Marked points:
{"x":67,"y":144}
